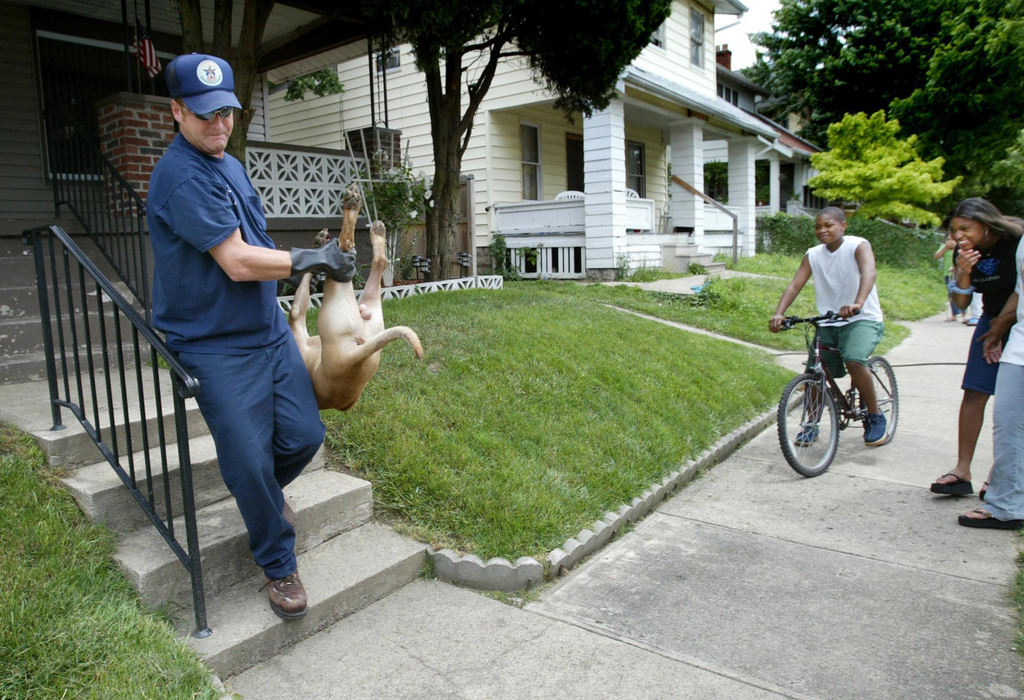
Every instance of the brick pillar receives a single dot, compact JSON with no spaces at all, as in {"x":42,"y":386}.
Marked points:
{"x":134,"y":132}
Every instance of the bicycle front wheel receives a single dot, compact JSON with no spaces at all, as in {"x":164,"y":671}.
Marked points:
{"x":886,"y":393}
{"x":808,"y":425}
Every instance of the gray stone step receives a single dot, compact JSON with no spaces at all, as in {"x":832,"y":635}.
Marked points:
{"x":341,"y":576}
{"x":26,"y":406}
{"x":325,"y":503}
{"x":99,"y":492}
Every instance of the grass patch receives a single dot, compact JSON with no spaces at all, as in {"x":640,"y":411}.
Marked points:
{"x":650,"y":274}
{"x":72,"y":626}
{"x":536,"y":410}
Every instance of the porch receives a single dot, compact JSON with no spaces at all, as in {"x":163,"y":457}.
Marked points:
{"x":547,"y":239}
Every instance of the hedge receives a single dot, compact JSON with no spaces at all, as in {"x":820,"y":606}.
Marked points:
{"x":893,"y":245}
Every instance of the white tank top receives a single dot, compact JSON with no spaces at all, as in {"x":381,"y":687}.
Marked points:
{"x":1013,"y":353}
{"x":837,"y":278}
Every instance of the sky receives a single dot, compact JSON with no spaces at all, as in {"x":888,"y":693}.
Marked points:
{"x":757,"y":18}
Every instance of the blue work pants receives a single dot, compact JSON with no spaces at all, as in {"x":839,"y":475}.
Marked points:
{"x":264,"y":420}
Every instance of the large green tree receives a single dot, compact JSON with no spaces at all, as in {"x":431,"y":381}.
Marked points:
{"x":827,"y":58}
{"x":576,"y":48}
{"x":970,"y":110}
{"x":869,"y":166}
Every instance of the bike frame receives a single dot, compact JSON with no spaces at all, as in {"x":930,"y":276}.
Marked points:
{"x":847,"y":410}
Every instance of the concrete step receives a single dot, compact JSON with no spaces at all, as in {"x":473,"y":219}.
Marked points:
{"x":99,"y":492}
{"x":341,"y":576}
{"x":26,"y":406}
{"x":325,"y":503}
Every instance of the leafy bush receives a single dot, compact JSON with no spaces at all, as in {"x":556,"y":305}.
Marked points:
{"x":893,"y":245}
{"x":501,"y":263}
{"x":398,"y":197}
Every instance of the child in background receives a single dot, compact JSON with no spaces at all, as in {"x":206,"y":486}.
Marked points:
{"x":945,"y":253}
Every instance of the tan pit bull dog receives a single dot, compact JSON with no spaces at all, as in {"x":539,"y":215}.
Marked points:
{"x":346,"y":353}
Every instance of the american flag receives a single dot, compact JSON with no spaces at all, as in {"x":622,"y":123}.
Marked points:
{"x":145,"y":51}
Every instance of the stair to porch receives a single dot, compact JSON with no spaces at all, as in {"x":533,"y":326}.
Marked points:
{"x":679,"y":258}
{"x":346,"y":559}
{"x":22,"y":357}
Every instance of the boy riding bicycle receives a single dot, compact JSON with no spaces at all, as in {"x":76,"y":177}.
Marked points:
{"x":844,"y":280}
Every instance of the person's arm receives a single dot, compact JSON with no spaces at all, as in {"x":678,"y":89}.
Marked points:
{"x":992,"y":339}
{"x":866,"y":265}
{"x":803,"y":273}
{"x":965,"y":262}
{"x":946,"y":245}
{"x":248,"y":263}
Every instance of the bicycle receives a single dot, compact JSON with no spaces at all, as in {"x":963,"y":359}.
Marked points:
{"x":813,"y":409}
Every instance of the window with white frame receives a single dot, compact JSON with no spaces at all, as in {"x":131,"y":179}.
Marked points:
{"x":696,"y":38}
{"x":529,"y":146}
{"x":658,"y":36}
{"x":389,"y":61}
{"x":729,"y":94}
{"x":635,"y":167}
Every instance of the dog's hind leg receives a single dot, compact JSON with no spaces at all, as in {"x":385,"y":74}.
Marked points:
{"x":351,"y":202}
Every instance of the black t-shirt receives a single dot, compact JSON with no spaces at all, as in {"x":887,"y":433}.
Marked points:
{"x":995,"y":274}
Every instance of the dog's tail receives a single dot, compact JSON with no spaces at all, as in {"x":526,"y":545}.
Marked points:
{"x":394,"y":333}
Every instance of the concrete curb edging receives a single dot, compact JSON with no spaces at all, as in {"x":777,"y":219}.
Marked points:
{"x":499,"y":574}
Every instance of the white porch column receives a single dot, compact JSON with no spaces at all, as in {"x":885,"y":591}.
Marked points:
{"x":775,"y":187}
{"x":687,"y":143}
{"x":742,"y":152}
{"x":604,"y":175}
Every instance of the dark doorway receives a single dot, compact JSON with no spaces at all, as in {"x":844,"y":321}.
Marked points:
{"x":574,"y":162}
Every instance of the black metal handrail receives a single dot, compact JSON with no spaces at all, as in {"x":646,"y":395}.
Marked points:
{"x":103,"y":360}
{"x":106,"y":205}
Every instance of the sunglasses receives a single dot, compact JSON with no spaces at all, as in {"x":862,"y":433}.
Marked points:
{"x":224,"y":113}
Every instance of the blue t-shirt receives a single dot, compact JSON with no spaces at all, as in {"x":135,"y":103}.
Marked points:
{"x":195,"y":202}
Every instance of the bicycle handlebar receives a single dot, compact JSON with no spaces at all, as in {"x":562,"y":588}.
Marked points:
{"x":790,"y":321}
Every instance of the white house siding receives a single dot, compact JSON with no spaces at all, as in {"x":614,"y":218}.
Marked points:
{"x":493,"y":155}
{"x":673,"y":60}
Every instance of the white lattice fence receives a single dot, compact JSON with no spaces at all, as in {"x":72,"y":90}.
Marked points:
{"x":295,"y":182}
{"x":408,"y":290}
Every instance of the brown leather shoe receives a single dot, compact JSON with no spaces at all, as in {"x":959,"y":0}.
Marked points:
{"x":287,"y":596}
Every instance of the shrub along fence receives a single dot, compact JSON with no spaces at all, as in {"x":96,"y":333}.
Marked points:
{"x":893,"y":245}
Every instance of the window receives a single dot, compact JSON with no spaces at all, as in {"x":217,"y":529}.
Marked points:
{"x":635,"y":167}
{"x":529,"y":144}
{"x":696,"y":38}
{"x":658,"y":36}
{"x":390,"y":60}
{"x":729,"y":94}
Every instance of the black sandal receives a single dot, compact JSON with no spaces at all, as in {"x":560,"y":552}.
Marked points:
{"x":989,"y":521}
{"x":983,"y":491}
{"x":960,"y":487}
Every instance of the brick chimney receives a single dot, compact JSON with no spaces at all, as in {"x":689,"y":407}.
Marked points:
{"x":724,"y":56}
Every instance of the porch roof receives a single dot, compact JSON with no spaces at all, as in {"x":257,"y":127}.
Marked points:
{"x":688,"y":97}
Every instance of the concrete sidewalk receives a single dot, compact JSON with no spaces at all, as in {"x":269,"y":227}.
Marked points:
{"x":752,"y":582}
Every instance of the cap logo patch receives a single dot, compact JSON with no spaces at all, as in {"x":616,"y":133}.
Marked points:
{"x":209,"y":73}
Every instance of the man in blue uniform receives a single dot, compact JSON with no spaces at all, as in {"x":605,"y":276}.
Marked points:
{"x":214,"y":297}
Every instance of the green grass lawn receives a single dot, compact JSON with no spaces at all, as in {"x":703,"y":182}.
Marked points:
{"x":72,"y":626}
{"x":536,"y":409}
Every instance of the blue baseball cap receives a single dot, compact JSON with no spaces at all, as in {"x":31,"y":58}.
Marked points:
{"x":204,"y":83}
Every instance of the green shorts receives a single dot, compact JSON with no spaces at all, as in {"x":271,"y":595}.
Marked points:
{"x":856,"y":341}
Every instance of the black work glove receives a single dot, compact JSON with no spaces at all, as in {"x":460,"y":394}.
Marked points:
{"x":338,"y":264}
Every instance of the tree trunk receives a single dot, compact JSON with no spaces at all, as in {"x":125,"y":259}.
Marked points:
{"x":244,"y":58}
{"x":445,"y":118}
